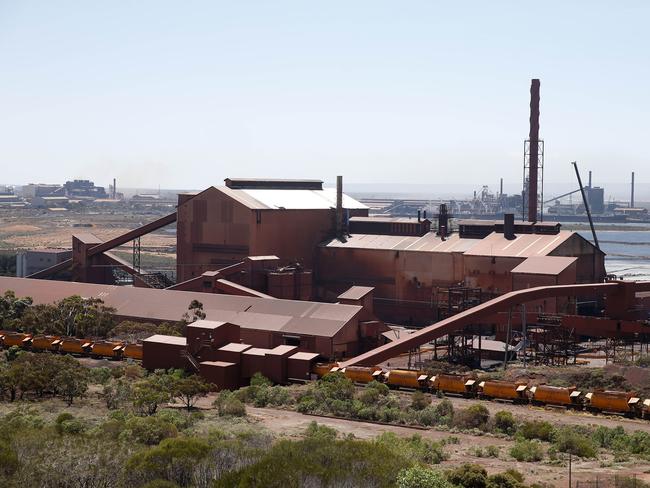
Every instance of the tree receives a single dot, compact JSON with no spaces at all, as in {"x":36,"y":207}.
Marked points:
{"x":419,"y":401}
{"x":190,"y":389}
{"x":116,"y":392}
{"x":151,"y":392}
{"x":71,"y":381}
{"x":12,"y":308}
{"x":421,"y":477}
{"x":468,"y":476}
{"x":194,"y":312}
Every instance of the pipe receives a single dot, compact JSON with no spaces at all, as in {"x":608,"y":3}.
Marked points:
{"x":584,"y":200}
{"x":339,"y":206}
{"x":533,"y":150}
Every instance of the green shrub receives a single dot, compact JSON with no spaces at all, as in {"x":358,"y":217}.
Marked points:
{"x":502,"y":480}
{"x":527,"y":450}
{"x":160,"y":484}
{"x":9,"y":463}
{"x":541,"y":430}
{"x":419,"y":401}
{"x":492,"y":451}
{"x":421,"y":477}
{"x":571,"y":440}
{"x":66,"y":424}
{"x":474,"y":417}
{"x":505,"y":422}
{"x":232,"y":407}
{"x":468,"y":476}
{"x":260,"y":380}
{"x":147,"y":430}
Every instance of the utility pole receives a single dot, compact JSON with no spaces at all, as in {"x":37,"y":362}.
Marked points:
{"x":570,"y":485}
{"x":524,"y":329}
{"x":505,"y":356}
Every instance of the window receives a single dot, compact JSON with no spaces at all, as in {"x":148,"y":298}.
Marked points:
{"x":292,"y":340}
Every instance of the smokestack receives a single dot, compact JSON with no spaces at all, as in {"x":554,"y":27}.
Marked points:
{"x":501,"y":188}
{"x":533,"y":137}
{"x":114,"y":189}
{"x":443,"y":221}
{"x":590,"y":179}
{"x":419,"y":216}
{"x":509,"y":226}
{"x":339,"y":206}
{"x":632,"y":192}
{"x":424,"y":215}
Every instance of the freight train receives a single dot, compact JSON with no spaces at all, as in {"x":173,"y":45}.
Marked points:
{"x":71,"y":345}
{"x":521,"y":392}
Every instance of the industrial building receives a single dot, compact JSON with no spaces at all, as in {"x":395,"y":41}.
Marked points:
{"x":32,"y":261}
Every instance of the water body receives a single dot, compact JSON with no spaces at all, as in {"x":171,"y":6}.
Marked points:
{"x":628,"y":252}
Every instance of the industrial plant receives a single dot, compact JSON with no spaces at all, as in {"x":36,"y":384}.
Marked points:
{"x":291,"y":274}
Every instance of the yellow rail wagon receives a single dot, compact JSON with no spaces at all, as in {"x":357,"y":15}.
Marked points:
{"x":321,"y":369}
{"x":406,"y":378}
{"x":10,"y":339}
{"x":107,"y":349}
{"x":133,"y":351}
{"x":361,"y":374}
{"x":75,"y":346}
{"x":46,"y":343}
{"x":453,"y":383}
{"x":555,"y":395}
{"x":502,"y":390}
{"x":624,"y":402}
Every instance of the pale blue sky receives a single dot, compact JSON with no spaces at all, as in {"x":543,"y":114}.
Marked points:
{"x":182,"y":94}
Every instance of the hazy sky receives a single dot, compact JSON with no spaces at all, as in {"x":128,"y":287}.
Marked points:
{"x":183,"y":94}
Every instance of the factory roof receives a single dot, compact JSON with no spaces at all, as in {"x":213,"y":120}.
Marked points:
{"x":389,"y":220}
{"x":355,"y":292}
{"x":165,"y":339}
{"x":235,"y":347}
{"x":206,"y":324}
{"x":289,"y":199}
{"x":544,"y":265}
{"x":523,"y":246}
{"x":304,"y":356}
{"x":289,"y":316}
{"x":429,"y":242}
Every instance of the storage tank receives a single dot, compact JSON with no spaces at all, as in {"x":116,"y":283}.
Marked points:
{"x":75,"y":346}
{"x":452,"y":383}
{"x":362,"y":374}
{"x":107,"y":349}
{"x":505,"y":390}
{"x":406,"y":378}
{"x":555,"y":395}
{"x":45,"y":343}
{"x":613,"y":401}
{"x":133,"y":351}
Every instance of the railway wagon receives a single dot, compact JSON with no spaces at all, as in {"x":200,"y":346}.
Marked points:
{"x":452,"y":383}
{"x":406,"y":378}
{"x":503,"y":390}
{"x":624,"y":402}
{"x":361,"y":374}
{"x":555,"y":395}
{"x":107,"y":349}
{"x":75,"y":346}
{"x":133,"y":351}
{"x":645,"y":409}
{"x":16,"y":339}
{"x":321,"y":369}
{"x":46,"y":343}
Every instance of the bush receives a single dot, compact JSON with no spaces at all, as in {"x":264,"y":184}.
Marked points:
{"x":8,"y":459}
{"x":505,"y":422}
{"x":572,"y":441}
{"x":66,"y":424}
{"x":526,"y":450}
{"x":148,"y":430}
{"x":421,"y":477}
{"x":474,"y":417}
{"x":419,"y":401}
{"x":502,"y":480}
{"x":537,"y":430}
{"x":468,"y":476}
{"x":231,"y":406}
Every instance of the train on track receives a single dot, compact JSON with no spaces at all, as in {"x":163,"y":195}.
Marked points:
{"x":521,"y":392}
{"x":71,"y":345}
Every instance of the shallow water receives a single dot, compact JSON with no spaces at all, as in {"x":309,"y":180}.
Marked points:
{"x":628,"y":252}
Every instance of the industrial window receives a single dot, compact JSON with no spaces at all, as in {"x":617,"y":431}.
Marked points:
{"x":292,"y":340}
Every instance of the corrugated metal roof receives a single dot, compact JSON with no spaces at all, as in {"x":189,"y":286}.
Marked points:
{"x":544,"y":265}
{"x":523,"y":246}
{"x":265,"y":199}
{"x":206,"y":324}
{"x":429,"y":242}
{"x":165,"y":339}
{"x":355,"y":293}
{"x":305,"y":356}
{"x":235,"y":347}
{"x":390,"y":220}
{"x":297,"y":317}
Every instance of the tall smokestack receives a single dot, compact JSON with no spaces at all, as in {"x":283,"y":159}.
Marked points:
{"x":114,"y":189}
{"x":589,"y":178}
{"x":632,"y":192}
{"x":533,"y":137}
{"x":339,"y":206}
{"x":501,"y":188}
{"x":443,"y":221}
